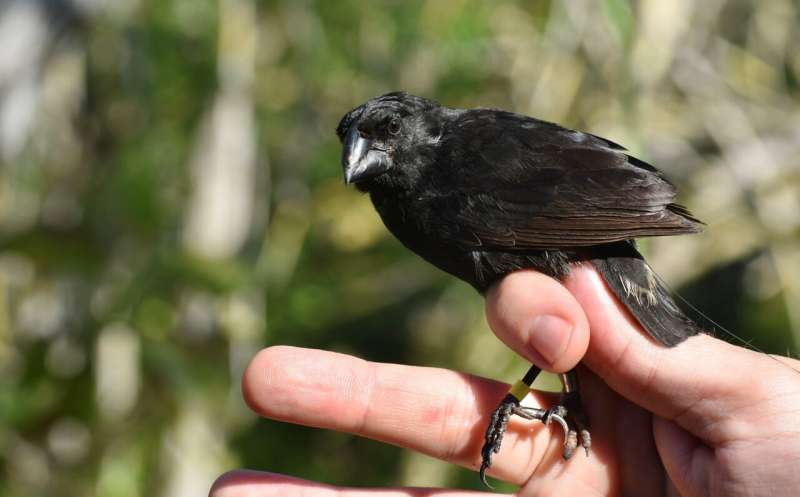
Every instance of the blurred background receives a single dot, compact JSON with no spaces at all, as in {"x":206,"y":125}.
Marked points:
{"x":171,"y":201}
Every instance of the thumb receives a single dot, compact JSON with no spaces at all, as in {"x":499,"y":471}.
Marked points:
{"x":539,"y":319}
{"x":699,"y":383}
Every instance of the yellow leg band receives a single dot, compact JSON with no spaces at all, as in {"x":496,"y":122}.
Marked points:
{"x":519,"y":390}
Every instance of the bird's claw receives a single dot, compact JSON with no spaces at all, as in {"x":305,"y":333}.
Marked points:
{"x":510,"y":406}
{"x":586,"y":440}
{"x":559,"y":415}
{"x":494,"y":433}
{"x":576,"y":418}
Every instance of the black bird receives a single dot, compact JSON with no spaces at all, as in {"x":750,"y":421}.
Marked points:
{"x":480,"y":193}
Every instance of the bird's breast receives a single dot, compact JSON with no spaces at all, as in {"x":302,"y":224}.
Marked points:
{"x":422,"y":223}
{"x":407,"y":216}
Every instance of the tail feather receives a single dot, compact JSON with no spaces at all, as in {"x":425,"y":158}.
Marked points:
{"x":637,"y":287}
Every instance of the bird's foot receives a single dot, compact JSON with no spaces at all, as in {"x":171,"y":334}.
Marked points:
{"x":569,"y":416}
{"x":578,"y":422}
{"x":495,"y":431}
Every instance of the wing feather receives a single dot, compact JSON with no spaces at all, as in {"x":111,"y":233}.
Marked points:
{"x":531,"y":184}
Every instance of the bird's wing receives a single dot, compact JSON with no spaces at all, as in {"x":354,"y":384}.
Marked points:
{"x":529,"y":184}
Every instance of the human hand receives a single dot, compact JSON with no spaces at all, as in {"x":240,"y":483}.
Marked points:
{"x":722,"y":419}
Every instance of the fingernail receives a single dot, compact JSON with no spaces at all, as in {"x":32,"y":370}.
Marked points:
{"x":549,"y":336}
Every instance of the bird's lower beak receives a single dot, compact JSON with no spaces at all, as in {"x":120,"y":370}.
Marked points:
{"x":359,"y":160}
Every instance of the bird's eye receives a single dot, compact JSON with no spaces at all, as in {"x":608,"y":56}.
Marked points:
{"x":394,"y":126}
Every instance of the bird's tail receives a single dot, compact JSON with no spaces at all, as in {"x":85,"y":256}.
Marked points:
{"x":639,"y":289}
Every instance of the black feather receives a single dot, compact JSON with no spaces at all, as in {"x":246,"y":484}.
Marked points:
{"x":636,"y":286}
{"x":481,"y":193}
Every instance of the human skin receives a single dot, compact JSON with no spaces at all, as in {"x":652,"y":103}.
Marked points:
{"x":705,"y":418}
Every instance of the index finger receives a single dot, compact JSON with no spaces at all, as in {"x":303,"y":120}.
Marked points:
{"x":434,"y":411}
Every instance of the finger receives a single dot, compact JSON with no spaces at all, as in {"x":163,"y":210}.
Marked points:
{"x":700,"y":383}
{"x":434,"y":411}
{"x":539,"y":319}
{"x":243,"y":483}
{"x":686,"y":459}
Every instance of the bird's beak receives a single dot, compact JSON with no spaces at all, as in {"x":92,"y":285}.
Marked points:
{"x":359,"y":160}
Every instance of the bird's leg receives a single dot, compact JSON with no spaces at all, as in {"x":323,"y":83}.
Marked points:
{"x":569,"y":415}
{"x":499,"y":421}
{"x":576,"y":417}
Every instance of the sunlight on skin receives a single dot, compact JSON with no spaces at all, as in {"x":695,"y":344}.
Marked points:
{"x":253,"y":483}
{"x":443,"y":413}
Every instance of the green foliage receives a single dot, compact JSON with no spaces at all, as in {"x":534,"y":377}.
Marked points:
{"x":177,"y":205}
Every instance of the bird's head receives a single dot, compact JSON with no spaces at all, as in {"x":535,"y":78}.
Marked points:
{"x":378,"y":133}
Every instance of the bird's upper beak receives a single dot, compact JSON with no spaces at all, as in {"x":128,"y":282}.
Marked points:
{"x":360,"y":160}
